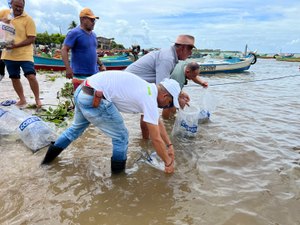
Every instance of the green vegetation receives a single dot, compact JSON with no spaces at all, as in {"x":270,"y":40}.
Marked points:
{"x":64,"y":109}
{"x":287,"y":59}
{"x":58,"y":39}
{"x":46,"y":39}
{"x":114,"y":45}
{"x":72,"y":25}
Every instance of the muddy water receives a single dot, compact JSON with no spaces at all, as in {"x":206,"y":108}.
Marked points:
{"x":241,"y":168}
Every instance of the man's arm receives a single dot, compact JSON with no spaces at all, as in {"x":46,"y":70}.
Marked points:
{"x":102,"y":67}
{"x":198,"y":80}
{"x":164,"y":135}
{"x":65,"y":57}
{"x":28,"y":41}
{"x":160,"y":146}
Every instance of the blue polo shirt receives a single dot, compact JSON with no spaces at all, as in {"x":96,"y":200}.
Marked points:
{"x":83,"y":51}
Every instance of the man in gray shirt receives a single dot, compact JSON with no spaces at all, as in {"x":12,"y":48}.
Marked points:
{"x":157,"y":65}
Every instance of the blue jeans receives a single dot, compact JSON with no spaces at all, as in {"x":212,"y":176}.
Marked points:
{"x":105,"y":117}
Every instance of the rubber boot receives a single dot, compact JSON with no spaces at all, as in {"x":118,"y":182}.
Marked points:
{"x":117,"y":166}
{"x":51,"y":154}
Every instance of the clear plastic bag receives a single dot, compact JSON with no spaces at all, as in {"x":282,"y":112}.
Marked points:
{"x":7,"y":34}
{"x":186,"y":123}
{"x":207,"y":104}
{"x":35,"y":133}
{"x":10,"y":120}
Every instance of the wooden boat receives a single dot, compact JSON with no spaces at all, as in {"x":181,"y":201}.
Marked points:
{"x":228,"y":65}
{"x":53,"y":64}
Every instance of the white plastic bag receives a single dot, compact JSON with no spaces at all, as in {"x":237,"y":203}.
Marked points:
{"x":10,"y":119}
{"x":7,"y":34}
{"x":207,"y":104}
{"x":35,"y":133}
{"x":186,"y":123}
{"x":152,"y":160}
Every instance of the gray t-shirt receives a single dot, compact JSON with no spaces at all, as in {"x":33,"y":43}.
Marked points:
{"x":155,"y":66}
{"x":178,"y":73}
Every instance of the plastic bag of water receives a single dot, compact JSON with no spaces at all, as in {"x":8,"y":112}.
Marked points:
{"x":10,"y":120}
{"x":7,"y":34}
{"x":204,"y":116}
{"x":207,"y":103}
{"x":152,"y":160}
{"x":186,"y":123}
{"x":35,"y":133}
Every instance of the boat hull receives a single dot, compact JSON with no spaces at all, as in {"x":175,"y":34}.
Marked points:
{"x":226,"y":65}
{"x":52,"y":64}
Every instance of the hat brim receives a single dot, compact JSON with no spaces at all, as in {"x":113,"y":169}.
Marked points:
{"x":92,"y":17}
{"x":176,"y":103}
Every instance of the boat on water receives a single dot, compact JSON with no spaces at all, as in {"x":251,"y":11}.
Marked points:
{"x":225,"y":65}
{"x":54,"y":64}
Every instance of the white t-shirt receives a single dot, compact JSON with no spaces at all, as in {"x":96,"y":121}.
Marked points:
{"x":128,"y":92}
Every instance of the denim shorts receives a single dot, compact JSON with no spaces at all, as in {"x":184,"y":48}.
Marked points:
{"x":13,"y":68}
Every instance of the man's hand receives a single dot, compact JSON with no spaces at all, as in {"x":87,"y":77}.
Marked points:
{"x":69,"y":73}
{"x":5,"y":20}
{"x":183,"y":99}
{"x":9,"y":45}
{"x":169,"y":168}
{"x":204,"y":84}
{"x":102,"y":67}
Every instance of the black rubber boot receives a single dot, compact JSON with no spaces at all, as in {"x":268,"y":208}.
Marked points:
{"x":51,"y":154}
{"x":118,"y":166}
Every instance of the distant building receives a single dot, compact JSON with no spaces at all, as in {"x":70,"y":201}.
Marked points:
{"x":104,"y":43}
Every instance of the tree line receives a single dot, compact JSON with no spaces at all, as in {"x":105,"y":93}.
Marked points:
{"x":58,"y":39}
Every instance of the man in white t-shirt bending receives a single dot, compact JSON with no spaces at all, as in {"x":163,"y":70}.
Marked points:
{"x":101,"y":98}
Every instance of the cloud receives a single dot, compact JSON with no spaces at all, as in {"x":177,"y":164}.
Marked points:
{"x":268,"y":27}
{"x":293,"y":42}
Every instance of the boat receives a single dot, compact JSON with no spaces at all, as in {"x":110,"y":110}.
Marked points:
{"x":55,"y":64}
{"x":225,"y":65}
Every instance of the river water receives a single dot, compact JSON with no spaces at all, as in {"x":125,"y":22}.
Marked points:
{"x":243,"y":166}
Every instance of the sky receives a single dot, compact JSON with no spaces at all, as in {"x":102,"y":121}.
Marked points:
{"x":267,"y":26}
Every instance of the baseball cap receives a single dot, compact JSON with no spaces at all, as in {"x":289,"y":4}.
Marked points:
{"x":86,"y":12}
{"x":172,"y":86}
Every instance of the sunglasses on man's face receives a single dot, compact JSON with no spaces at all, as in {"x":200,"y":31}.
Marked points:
{"x":91,"y":19}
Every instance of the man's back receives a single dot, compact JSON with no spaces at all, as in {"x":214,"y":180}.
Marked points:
{"x":155,"y":66}
{"x":129,"y":93}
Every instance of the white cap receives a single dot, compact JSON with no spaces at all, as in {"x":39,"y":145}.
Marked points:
{"x":173,"y":88}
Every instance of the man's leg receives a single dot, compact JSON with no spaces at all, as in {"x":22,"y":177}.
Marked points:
{"x":78,"y":126}
{"x":2,"y":69}
{"x":29,"y":72}
{"x":111,"y":122}
{"x":16,"y":82}
{"x":34,"y":85}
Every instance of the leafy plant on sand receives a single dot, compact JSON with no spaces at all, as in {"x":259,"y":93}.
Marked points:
{"x":64,"y":109}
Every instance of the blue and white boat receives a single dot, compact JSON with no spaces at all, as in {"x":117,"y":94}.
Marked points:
{"x":111,"y":63}
{"x":225,"y":65}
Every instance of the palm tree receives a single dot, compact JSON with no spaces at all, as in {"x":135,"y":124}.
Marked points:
{"x":72,"y":25}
